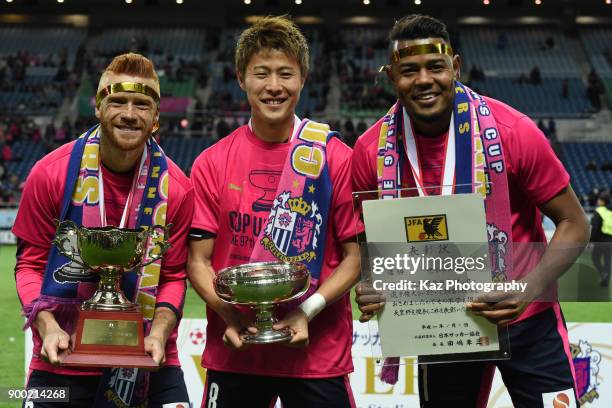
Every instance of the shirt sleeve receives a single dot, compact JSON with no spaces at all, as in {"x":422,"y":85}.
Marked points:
{"x":346,"y":220}
{"x":35,"y":229}
{"x":541,"y":173}
{"x":172,"y":280}
{"x":38,"y":208}
{"x":206,"y":194}
{"x":363,"y":167}
{"x":29,"y":271}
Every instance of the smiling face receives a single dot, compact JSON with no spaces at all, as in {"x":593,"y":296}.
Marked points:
{"x":424,"y":83}
{"x":272,"y":81}
{"x":127,"y":119}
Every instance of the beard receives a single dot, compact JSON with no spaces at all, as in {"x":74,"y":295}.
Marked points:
{"x":122,"y":143}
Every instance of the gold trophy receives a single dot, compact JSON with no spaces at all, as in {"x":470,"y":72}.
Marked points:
{"x":110,"y":330}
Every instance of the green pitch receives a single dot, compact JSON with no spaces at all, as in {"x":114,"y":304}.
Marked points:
{"x":12,"y":339}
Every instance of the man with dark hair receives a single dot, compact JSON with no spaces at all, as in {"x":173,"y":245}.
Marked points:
{"x":444,"y":139}
{"x":115,"y":174}
{"x":601,"y":235}
{"x":309,"y":218}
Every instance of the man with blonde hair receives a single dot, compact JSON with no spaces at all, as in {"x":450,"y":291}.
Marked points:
{"x":235,"y":223}
{"x":100,"y":180}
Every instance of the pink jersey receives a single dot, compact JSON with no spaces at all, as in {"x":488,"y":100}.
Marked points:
{"x":235,"y":182}
{"x":535,"y":175}
{"x":34,"y":225}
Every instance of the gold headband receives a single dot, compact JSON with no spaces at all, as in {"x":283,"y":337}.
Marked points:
{"x":126,"y":87}
{"x":435,"y":48}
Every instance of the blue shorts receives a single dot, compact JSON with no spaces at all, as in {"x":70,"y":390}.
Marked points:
{"x":540,"y":369}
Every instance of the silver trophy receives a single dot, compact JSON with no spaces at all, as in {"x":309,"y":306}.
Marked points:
{"x":110,"y":252}
{"x":261,"y":286}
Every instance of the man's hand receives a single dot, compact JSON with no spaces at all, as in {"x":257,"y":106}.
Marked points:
{"x":55,"y":345}
{"x":164,"y":321}
{"x":502,"y":308}
{"x":156,"y":348}
{"x":369,"y":301}
{"x":202,"y":275}
{"x":236,"y":323}
{"x":297,"y":322}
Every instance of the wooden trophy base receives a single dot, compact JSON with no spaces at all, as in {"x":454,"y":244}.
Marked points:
{"x":109,"y":339}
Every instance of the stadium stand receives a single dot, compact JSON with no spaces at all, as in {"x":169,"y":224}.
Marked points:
{"x":196,"y":69}
{"x":530,"y":69}
{"x":184,"y":151}
{"x":37,"y":68}
{"x":520,"y":51}
{"x":364,"y":91}
{"x":538,"y":100}
{"x":578,"y":155}
{"x":598,"y":44}
{"x":176,"y":53}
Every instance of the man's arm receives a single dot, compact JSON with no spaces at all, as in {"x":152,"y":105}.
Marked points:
{"x":172,"y":279}
{"x":364,"y":177}
{"x":29,"y":271}
{"x":568,"y":241}
{"x":35,"y":229}
{"x":201,"y":275}
{"x":340,"y":281}
{"x":345,"y":275}
{"x":164,"y":321}
{"x":55,"y":341}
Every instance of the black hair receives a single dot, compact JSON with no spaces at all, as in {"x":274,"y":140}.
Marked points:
{"x":417,"y":26}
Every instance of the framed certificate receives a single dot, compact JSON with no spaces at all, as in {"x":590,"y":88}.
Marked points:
{"x":429,"y":256}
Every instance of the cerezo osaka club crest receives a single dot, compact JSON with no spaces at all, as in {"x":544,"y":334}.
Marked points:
{"x":586,"y":366}
{"x":293,"y":229}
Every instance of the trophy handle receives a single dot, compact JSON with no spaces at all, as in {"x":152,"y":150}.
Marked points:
{"x":162,"y":245}
{"x":64,"y":228}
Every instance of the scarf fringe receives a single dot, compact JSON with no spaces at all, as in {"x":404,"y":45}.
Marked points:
{"x":64,"y":310}
{"x":390,"y":370}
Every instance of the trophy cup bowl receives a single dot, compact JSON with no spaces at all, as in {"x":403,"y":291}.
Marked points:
{"x":120,"y":248}
{"x":261,"y":286}
{"x":110,"y":327}
{"x":110,"y":252}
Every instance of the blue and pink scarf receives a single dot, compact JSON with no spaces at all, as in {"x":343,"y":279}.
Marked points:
{"x":297,"y":225}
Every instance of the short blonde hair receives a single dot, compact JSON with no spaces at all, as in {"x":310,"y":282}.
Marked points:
{"x":274,"y":33}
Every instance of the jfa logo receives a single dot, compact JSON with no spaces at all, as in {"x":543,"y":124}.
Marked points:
{"x":426,"y":228}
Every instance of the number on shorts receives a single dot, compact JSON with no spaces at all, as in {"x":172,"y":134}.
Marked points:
{"x":213,"y":393}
